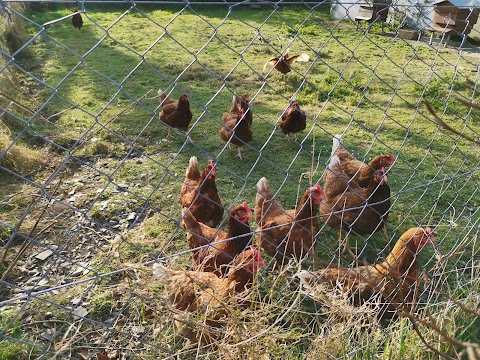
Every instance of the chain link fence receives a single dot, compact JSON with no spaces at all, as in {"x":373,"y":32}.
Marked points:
{"x":90,"y":177}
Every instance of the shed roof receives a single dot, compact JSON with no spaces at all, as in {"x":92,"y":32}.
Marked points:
{"x":460,"y":3}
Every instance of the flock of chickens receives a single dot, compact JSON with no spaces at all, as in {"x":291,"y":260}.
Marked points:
{"x":238,"y":120}
{"x":355,"y":198}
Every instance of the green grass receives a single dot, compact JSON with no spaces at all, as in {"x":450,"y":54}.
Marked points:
{"x":368,"y":87}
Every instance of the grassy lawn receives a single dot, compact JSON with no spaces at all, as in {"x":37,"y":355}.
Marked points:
{"x":96,"y":92}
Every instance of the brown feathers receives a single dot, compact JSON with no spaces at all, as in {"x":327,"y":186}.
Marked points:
{"x":77,"y":20}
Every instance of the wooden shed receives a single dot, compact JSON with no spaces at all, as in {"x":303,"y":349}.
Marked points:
{"x":450,"y":19}
{"x":373,"y":11}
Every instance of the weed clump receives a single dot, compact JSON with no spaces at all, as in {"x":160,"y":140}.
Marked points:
{"x":18,"y":157}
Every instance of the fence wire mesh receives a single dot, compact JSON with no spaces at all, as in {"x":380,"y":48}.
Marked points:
{"x":91,"y":179}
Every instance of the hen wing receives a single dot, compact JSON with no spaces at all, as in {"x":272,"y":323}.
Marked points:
{"x":272,"y":62}
{"x":301,"y":58}
{"x":169,"y":108}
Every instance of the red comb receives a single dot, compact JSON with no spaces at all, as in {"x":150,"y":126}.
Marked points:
{"x":257,"y":254}
{"x":430,"y":236}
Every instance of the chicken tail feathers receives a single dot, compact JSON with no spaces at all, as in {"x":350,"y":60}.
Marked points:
{"x":236,"y":105}
{"x":264,"y":188}
{"x":189,"y":220}
{"x":337,"y":143}
{"x":192,"y":173}
{"x":334,"y":160}
{"x":306,"y":278}
{"x":266,"y":65}
{"x":161,"y":271}
{"x":303,"y":57}
{"x":163,"y":95}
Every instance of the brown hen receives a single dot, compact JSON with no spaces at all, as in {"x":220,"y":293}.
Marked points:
{"x":237,"y":129}
{"x":348,"y":205}
{"x":205,"y":298}
{"x":284,"y":62}
{"x":77,"y":20}
{"x":284,"y":234}
{"x":356,"y":169}
{"x":390,"y":285}
{"x":214,"y":248}
{"x":294,"y":120}
{"x":199,"y":194}
{"x":175,"y":113}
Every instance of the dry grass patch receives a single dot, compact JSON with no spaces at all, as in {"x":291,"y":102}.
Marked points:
{"x":18,"y":157}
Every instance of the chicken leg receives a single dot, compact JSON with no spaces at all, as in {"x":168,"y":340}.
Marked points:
{"x":240,"y":153}
{"x":346,"y":245}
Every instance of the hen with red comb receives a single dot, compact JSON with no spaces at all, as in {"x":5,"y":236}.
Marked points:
{"x":203,"y":297}
{"x":389,"y":286}
{"x":199,"y":194}
{"x":212,"y":248}
{"x":356,"y":169}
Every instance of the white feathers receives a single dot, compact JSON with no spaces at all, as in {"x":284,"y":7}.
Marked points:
{"x":303,"y":57}
{"x":305,"y":277}
{"x":193,"y":162}
{"x":337,"y":142}
{"x":334,"y":160}
{"x":161,"y":271}
{"x":263,"y":186}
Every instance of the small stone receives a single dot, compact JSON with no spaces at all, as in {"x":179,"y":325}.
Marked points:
{"x":44,"y":255}
{"x":47,"y":335}
{"x":122,"y":187}
{"x":76,"y":301}
{"x":48,"y":315}
{"x":138,"y":329}
{"x":80,"y":311}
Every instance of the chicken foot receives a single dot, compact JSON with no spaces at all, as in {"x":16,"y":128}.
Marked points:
{"x":240,"y":153}
{"x":346,"y":245}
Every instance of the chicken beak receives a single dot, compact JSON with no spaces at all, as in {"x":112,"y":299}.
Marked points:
{"x":391,"y":159}
{"x":248,"y":211}
{"x":433,"y":241}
